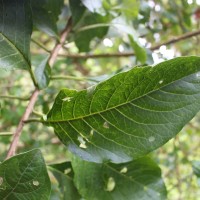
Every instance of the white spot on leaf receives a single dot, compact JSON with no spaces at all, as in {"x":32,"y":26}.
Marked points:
{"x":67,"y":171}
{"x":198,"y":74}
{"x":91,"y":89}
{"x":110,"y":184}
{"x":91,"y":133}
{"x":44,"y":117}
{"x":124,"y":170}
{"x":36,"y":183}
{"x":161,"y":81}
{"x":151,"y":139}
{"x":82,"y":142}
{"x":1,"y":181}
{"x":68,"y":99}
{"x":106,"y":125}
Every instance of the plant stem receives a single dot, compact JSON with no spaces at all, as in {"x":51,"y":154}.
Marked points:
{"x":33,"y":99}
{"x":128,"y":54}
{"x":38,"y":120}
{"x":72,"y":78}
{"x":38,"y":113}
{"x":40,"y":45}
{"x":6,"y":133}
{"x":14,"y":97}
{"x":25,"y":116}
{"x":59,"y":45}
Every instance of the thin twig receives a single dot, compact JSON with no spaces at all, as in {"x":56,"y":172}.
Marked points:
{"x":33,"y":99}
{"x":40,"y":45}
{"x":25,"y":116}
{"x":14,"y":97}
{"x":6,"y":133}
{"x":108,"y":55}
{"x":38,"y":120}
{"x":73,"y":78}
{"x":59,"y":45}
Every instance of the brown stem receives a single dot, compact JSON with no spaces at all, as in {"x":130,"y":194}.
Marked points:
{"x":33,"y":99}
{"x":25,"y":116}
{"x":108,"y":55}
{"x":59,"y":45}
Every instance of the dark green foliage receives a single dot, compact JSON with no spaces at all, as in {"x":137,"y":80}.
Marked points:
{"x":24,"y":177}
{"x":108,"y":128}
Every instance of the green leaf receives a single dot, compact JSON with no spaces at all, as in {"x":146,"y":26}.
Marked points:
{"x":45,"y":15}
{"x":63,"y":172}
{"x":138,"y":49}
{"x":42,"y":74}
{"x":196,"y":170}
{"x":130,"y":114}
{"x":15,"y":33}
{"x":130,"y":8}
{"x":77,"y":10}
{"x":88,"y":30}
{"x":136,"y":180}
{"x":24,"y":177}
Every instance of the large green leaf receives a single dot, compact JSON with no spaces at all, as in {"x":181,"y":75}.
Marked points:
{"x":45,"y":15}
{"x":136,"y":180}
{"x":15,"y":33}
{"x":63,"y":172}
{"x":130,"y":114}
{"x":24,"y":177}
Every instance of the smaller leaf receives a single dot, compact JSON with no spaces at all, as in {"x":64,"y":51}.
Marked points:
{"x":24,"y":177}
{"x":138,"y":49}
{"x":63,"y":172}
{"x":196,"y":170}
{"x":84,"y":37}
{"x":45,"y":15}
{"x":42,"y":74}
{"x":140,"y":179}
{"x":77,"y":10}
{"x":130,"y":8}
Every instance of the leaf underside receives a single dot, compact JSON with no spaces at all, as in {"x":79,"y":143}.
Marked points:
{"x":139,"y":179}
{"x":130,"y":114}
{"x":15,"y":33}
{"x":24,"y":177}
{"x":64,"y":175}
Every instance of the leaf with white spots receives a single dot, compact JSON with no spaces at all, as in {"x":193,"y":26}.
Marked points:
{"x":64,"y":175}
{"x":24,"y":177}
{"x":15,"y":34}
{"x":136,"y":180}
{"x":130,"y":114}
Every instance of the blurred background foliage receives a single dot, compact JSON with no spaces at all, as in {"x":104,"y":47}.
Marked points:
{"x":110,"y":29}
